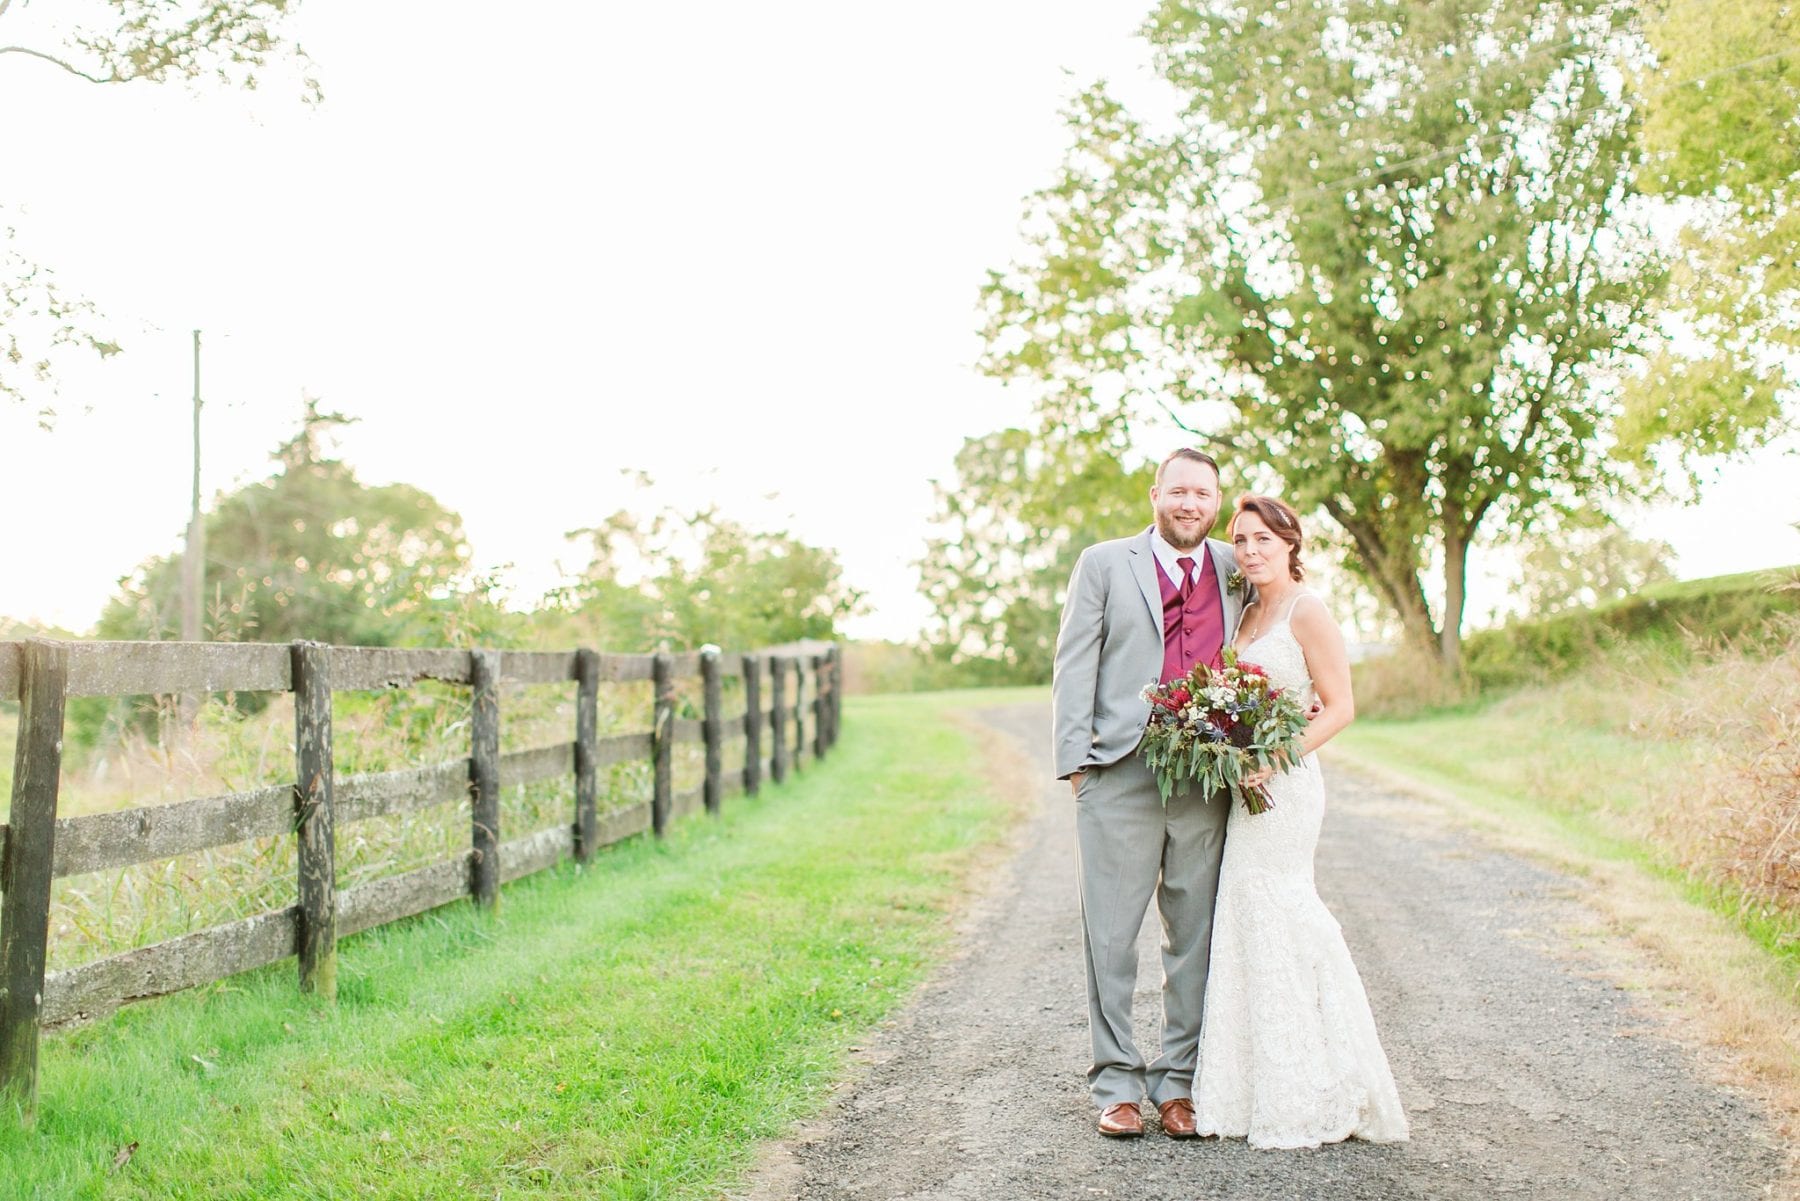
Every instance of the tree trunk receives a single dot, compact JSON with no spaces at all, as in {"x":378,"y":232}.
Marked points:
{"x":1396,"y":582}
{"x":1456,"y":574}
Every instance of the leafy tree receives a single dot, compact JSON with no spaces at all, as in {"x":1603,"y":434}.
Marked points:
{"x":40,"y":324}
{"x":1395,"y":252}
{"x":1720,"y":105}
{"x":1011,"y":522}
{"x":232,"y":43}
{"x":12,"y":629}
{"x":1589,"y":564}
{"x":312,"y":552}
{"x":1014,"y":517}
{"x":684,"y":580}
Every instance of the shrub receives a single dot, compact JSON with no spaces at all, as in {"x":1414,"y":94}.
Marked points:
{"x":1683,"y":616}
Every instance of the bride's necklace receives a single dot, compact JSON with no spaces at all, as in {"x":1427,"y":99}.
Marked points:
{"x":1263,"y":607}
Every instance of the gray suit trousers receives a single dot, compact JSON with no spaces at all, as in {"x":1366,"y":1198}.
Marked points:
{"x":1131,"y":846}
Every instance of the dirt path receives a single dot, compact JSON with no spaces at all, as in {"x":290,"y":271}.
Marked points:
{"x":1526,"y":1066}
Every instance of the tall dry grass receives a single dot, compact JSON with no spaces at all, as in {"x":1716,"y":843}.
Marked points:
{"x":1406,"y":682}
{"x":104,"y":913}
{"x":1734,"y":820}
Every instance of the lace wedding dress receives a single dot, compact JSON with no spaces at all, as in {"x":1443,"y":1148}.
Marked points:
{"x":1289,"y":1056}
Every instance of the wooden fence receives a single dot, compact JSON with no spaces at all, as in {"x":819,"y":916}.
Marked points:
{"x":37,"y":846}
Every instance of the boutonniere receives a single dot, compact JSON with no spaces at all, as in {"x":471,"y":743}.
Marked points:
{"x":1236,"y":584}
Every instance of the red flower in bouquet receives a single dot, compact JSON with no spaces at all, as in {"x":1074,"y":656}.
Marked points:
{"x":1173,"y":701}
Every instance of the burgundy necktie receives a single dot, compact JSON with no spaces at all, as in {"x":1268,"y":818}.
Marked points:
{"x":1187,"y":578}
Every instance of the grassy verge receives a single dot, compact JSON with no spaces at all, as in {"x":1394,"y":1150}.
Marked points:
{"x":1685,"y":765}
{"x":1528,"y":761}
{"x":628,"y":1030}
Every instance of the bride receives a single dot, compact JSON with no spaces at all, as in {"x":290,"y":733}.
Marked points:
{"x":1289,"y":1056}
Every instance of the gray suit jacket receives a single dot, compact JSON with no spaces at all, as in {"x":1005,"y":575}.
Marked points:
{"x":1110,"y":645}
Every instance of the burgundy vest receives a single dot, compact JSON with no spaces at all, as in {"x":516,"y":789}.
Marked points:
{"x":1194,"y":632}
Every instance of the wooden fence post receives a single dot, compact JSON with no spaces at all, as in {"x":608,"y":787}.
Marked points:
{"x":25,"y":873}
{"x":778,"y":713}
{"x":821,"y":699}
{"x":587,"y":721}
{"x":835,"y":668}
{"x":822,"y":672}
{"x":753,"y":723}
{"x":712,"y":726}
{"x":484,"y":777}
{"x":799,"y":663}
{"x":313,"y":819}
{"x":837,"y":690}
{"x":662,"y":676}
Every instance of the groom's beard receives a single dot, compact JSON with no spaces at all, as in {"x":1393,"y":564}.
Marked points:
{"x":1165,"y":525}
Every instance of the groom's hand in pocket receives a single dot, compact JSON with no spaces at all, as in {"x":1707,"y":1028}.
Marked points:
{"x":1075,"y":783}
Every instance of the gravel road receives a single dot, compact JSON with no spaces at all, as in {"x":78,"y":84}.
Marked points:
{"x":1527,"y":1065}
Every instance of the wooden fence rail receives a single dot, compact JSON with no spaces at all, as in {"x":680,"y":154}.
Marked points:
{"x":38,"y":847}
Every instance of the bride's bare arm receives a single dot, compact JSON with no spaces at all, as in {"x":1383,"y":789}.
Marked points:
{"x":1328,"y":662}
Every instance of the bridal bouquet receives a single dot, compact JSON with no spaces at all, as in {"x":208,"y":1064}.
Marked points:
{"x":1216,"y":725}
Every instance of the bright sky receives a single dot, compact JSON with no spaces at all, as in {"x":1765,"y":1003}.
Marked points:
{"x":737,"y":247}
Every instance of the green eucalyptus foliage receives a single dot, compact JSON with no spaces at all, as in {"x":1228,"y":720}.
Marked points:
{"x":1394,"y":251}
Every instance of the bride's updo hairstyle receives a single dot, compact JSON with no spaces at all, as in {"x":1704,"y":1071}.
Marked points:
{"x":1280,"y":519}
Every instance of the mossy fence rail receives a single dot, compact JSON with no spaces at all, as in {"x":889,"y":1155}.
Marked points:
{"x":37,"y":846}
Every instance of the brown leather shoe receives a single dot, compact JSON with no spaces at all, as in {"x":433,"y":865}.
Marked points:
{"x":1178,"y":1117}
{"x":1122,"y":1120}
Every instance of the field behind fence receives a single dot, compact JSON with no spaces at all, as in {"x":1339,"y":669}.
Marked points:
{"x":670,"y":760}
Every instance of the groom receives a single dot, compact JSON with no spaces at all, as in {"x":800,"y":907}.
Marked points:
{"x":1142,"y":610}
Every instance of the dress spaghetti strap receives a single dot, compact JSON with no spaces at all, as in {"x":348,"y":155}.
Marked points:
{"x":1299,"y":595}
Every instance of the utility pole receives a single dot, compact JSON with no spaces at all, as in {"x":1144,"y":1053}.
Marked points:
{"x":193,"y":557}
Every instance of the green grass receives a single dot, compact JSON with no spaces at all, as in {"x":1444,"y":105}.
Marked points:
{"x":631,"y":1029}
{"x":1759,"y":580}
{"x":9,"y":738}
{"x":1532,"y":753}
